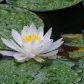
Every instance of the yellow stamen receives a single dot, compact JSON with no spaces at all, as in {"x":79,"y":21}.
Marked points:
{"x":39,"y":39}
{"x":33,"y":37}
{"x":26,"y":38}
{"x":36,"y":37}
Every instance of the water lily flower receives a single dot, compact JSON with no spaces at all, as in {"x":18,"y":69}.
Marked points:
{"x":32,"y":44}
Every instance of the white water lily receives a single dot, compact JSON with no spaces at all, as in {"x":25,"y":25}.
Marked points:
{"x":32,"y":44}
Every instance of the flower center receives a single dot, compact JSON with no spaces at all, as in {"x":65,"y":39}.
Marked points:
{"x":33,"y":37}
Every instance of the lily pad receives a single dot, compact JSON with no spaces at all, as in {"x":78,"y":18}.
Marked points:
{"x":32,"y":72}
{"x":1,"y":0}
{"x":44,"y":4}
{"x":82,"y":81}
{"x":16,"y":73}
{"x":59,"y":72}
{"x":80,"y":64}
{"x":78,"y":42}
{"x":15,"y":18}
{"x":70,"y":37}
{"x":76,"y":54}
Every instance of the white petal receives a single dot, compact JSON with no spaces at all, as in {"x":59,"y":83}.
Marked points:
{"x":48,"y":35}
{"x":40,"y":32}
{"x":30,"y":55}
{"x":46,"y":46}
{"x":32,"y":30}
{"x":59,"y":40}
{"x":54,"y":46}
{"x":17,"y":37}
{"x":39,"y":59}
{"x":50,"y":53}
{"x":20,"y":57}
{"x":9,"y":44}
{"x":25,"y":31}
{"x":32,"y":46}
{"x":41,"y":43}
{"x":7,"y":53}
{"x":25,"y":49}
{"x":38,"y":50}
{"x":16,"y":46}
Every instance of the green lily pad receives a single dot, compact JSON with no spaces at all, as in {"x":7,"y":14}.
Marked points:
{"x":59,"y":72}
{"x":76,"y":54}
{"x":32,"y":72}
{"x":16,"y":73}
{"x":80,"y":64}
{"x":70,"y":37}
{"x":1,"y":0}
{"x":78,"y":42}
{"x":82,"y":81}
{"x":44,"y":4}
{"x":15,"y":18}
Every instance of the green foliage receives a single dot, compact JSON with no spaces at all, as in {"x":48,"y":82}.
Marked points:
{"x":76,"y":54}
{"x":83,"y":37}
{"x":18,"y":73}
{"x":82,"y":80}
{"x":32,"y":72}
{"x":15,"y":18}
{"x":78,"y":42}
{"x":43,"y":4}
{"x":80,"y":64}
{"x":59,"y":72}
{"x":70,"y":37}
{"x":1,"y":0}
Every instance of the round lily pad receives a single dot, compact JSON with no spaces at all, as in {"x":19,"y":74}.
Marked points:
{"x":43,"y":4}
{"x":15,"y":18}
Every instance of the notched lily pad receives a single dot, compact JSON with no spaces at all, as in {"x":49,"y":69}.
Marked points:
{"x":15,"y":18}
{"x":44,"y":4}
{"x":59,"y":72}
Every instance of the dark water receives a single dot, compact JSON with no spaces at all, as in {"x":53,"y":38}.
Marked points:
{"x":64,"y":21}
